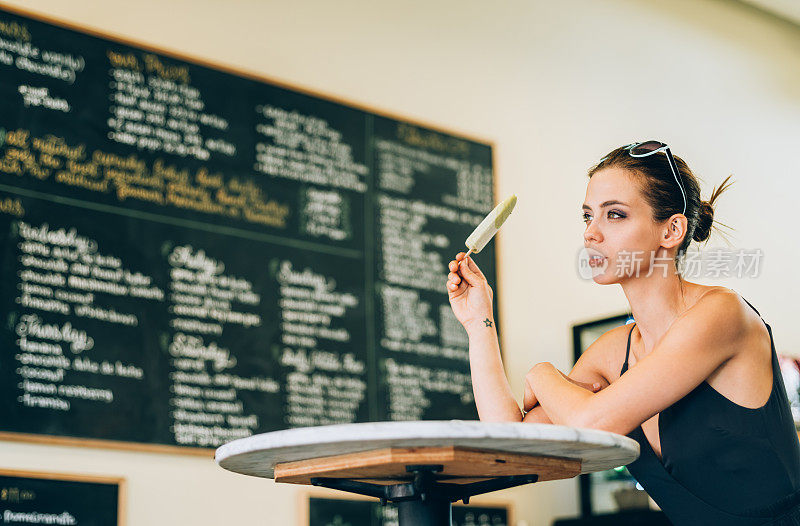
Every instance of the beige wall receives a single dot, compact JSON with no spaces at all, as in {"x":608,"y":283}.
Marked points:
{"x":554,"y":85}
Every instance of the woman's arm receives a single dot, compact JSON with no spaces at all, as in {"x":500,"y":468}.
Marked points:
{"x":471,"y":299}
{"x":560,"y":399}
{"x":536,"y":416}
{"x":588,"y":373}
{"x":493,"y":396}
{"x":697,"y":343}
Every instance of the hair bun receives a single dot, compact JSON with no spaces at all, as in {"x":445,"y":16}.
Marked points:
{"x":704,"y":221}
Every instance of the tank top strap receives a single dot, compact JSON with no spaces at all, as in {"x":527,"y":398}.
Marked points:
{"x":751,"y":305}
{"x":769,"y":329}
{"x":627,"y":351}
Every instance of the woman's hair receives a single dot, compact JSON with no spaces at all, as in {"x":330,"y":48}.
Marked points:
{"x":658,"y":186}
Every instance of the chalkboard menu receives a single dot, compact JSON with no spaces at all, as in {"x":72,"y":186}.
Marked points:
{"x":192,"y":255}
{"x":341,"y":512}
{"x":42,"y":498}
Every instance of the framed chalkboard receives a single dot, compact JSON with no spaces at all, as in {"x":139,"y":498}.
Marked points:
{"x":28,"y":497}
{"x":327,"y":511}
{"x":192,"y":254}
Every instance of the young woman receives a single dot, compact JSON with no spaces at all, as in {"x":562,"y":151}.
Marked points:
{"x":695,"y":380}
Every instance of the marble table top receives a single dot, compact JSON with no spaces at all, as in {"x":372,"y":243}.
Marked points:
{"x":257,"y":455}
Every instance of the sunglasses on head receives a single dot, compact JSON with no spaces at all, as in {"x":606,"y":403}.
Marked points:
{"x":643,"y":149}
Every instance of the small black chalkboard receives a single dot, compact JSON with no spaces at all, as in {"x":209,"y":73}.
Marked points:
{"x":49,"y":498}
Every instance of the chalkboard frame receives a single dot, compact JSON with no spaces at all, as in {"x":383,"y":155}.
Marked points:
{"x":304,"y":503}
{"x":578,"y":348}
{"x":258,"y":77}
{"x":120,"y":482}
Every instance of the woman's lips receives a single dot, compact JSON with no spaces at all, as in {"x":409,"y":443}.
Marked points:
{"x":596,"y":261}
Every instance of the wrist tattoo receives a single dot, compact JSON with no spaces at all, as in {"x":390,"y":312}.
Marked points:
{"x":488,"y":322}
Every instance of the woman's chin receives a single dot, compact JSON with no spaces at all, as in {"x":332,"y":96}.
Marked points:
{"x":603,"y":277}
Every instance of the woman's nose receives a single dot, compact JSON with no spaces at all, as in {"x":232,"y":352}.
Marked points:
{"x":592,"y":233}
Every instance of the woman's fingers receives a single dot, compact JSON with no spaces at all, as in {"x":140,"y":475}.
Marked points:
{"x":469,"y":275}
{"x":474,"y":268}
{"x":454,"y":282}
{"x":456,"y":290}
{"x":463,"y":271}
{"x":593,"y":387}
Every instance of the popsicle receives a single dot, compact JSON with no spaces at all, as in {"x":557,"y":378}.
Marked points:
{"x":490,"y":225}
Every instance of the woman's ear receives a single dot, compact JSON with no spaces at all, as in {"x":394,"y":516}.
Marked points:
{"x":674,"y":231}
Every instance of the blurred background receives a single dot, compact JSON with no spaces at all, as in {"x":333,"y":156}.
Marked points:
{"x":553,"y":86}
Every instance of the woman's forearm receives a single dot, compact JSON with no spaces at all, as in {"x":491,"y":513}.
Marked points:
{"x":536,"y":416}
{"x":493,"y":396}
{"x":564,"y":402}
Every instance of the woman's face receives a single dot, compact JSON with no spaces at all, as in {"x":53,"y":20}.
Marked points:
{"x":620,"y":228}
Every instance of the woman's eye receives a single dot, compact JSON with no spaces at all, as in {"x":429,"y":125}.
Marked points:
{"x":612,"y":214}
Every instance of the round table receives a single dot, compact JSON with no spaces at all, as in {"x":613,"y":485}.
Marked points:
{"x":425,"y":466}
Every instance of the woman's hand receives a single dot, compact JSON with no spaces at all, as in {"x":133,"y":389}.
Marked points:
{"x":469,"y":293}
{"x":529,"y":400}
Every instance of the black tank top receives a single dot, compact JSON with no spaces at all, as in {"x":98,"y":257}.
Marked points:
{"x":723,"y":463}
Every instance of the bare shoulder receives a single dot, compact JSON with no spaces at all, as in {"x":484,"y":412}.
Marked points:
{"x":722,"y":310}
{"x":713,"y":308}
{"x":716,"y":315}
{"x":745,"y":377}
{"x":720,"y":324}
{"x":726,"y":312}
